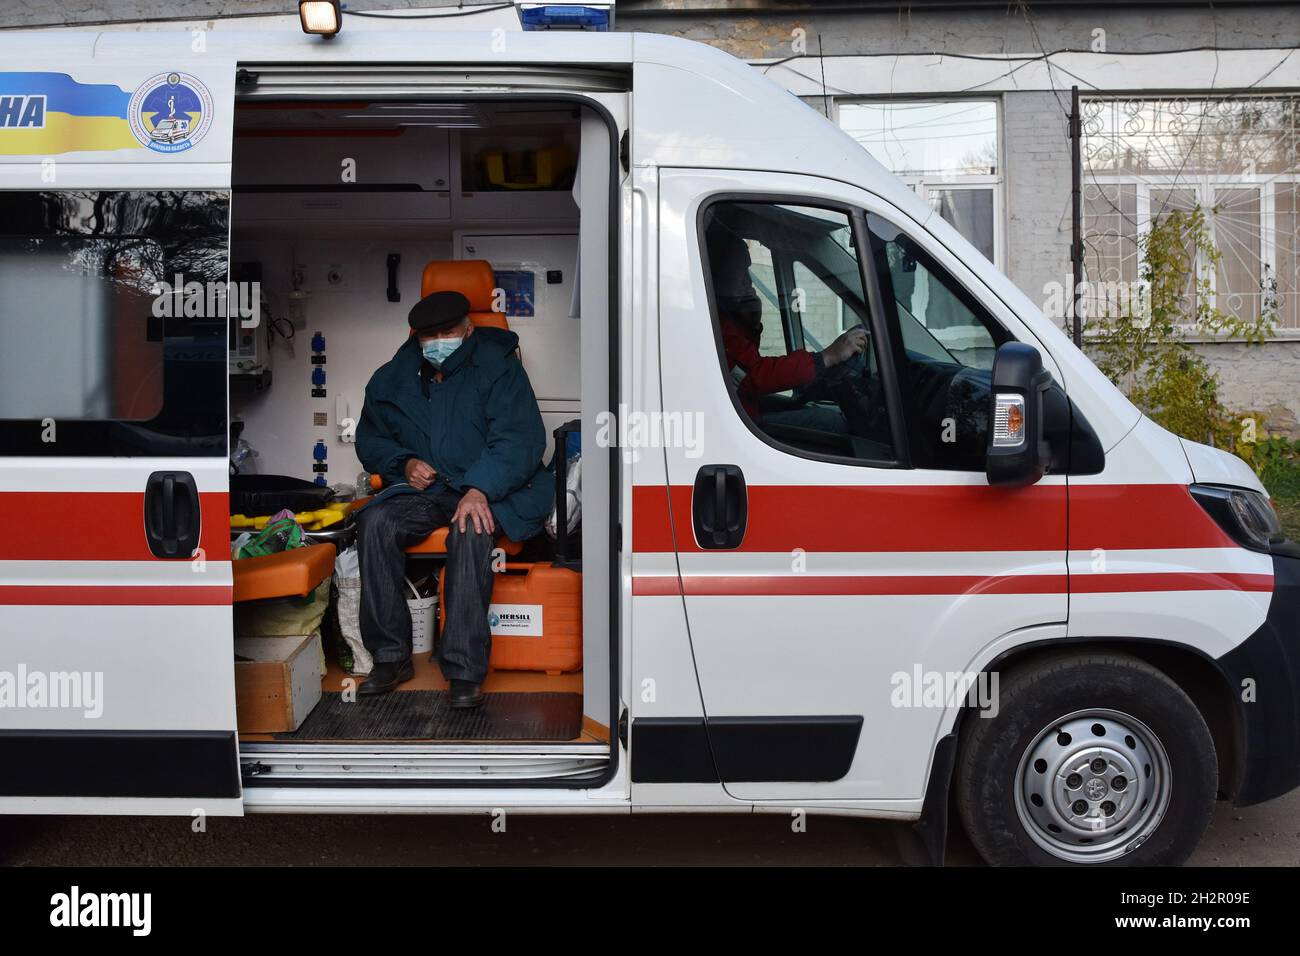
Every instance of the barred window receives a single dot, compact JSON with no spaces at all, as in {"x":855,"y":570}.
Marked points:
{"x":1235,"y":157}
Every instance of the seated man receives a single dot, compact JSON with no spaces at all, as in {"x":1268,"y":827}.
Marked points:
{"x":740,"y":315}
{"x":452,"y":425}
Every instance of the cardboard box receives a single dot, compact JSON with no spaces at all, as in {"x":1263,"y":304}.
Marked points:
{"x":277,"y":682}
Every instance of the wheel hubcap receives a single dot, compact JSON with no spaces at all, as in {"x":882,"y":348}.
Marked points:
{"x":1092,"y":786}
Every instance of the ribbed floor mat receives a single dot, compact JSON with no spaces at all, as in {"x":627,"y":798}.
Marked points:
{"x":425,"y":715}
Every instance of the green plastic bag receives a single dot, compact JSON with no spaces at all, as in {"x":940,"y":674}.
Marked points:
{"x":277,"y":536}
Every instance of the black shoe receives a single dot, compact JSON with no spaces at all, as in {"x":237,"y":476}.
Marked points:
{"x":465,"y":695}
{"x":385,"y":677}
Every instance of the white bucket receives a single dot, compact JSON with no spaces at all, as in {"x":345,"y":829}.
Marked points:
{"x":424,"y":614}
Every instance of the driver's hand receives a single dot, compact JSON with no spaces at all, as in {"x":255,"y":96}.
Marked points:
{"x":848,"y":344}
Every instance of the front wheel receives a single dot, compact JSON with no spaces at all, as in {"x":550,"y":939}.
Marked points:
{"x":1091,"y":758}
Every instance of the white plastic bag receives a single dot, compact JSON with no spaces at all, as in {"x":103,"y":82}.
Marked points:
{"x":238,"y":543}
{"x":347,"y":575}
{"x":573,"y":497}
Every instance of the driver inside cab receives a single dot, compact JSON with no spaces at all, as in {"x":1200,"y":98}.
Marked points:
{"x":740,"y":314}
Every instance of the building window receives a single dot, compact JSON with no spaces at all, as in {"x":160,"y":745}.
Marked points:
{"x":1234,"y":157}
{"x":947,"y":151}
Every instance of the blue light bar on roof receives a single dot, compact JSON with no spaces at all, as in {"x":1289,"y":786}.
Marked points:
{"x":556,"y":16}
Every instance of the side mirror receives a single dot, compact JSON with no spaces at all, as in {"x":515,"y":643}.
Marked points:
{"x":1018,"y":454}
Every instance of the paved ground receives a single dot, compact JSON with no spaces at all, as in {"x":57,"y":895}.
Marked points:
{"x":1263,"y":835}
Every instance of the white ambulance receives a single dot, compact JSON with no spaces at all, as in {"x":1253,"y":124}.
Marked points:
{"x":940,"y":559}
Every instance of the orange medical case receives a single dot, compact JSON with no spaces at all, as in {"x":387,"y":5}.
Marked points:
{"x":536,"y":618}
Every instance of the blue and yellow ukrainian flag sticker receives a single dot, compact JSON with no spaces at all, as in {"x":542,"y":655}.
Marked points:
{"x":44,"y":114}
{"x":49,"y":113}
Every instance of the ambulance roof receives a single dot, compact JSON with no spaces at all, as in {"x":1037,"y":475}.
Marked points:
{"x":695,"y":105}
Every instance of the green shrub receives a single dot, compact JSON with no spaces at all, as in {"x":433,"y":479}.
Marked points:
{"x":1144,"y":349}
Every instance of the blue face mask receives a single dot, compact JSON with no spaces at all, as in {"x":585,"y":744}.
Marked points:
{"x":438,"y":351}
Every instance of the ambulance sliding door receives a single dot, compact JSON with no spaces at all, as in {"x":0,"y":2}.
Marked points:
{"x":116,"y":677}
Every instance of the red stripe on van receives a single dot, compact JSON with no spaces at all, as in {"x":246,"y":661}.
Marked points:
{"x":939,"y":518}
{"x":95,"y":526}
{"x":943,"y":584}
{"x":656,"y":585}
{"x":854,"y":584}
{"x":652,"y":520}
{"x":1174,"y":581}
{"x":114,"y":596}
{"x":1140,"y":516}
{"x":867,"y":518}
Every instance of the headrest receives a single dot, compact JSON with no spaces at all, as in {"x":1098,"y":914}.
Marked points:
{"x":729,"y":261}
{"x":472,"y":278}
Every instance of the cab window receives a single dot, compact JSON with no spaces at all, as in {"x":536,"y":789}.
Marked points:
{"x":790,"y":313}
{"x":944,"y":344}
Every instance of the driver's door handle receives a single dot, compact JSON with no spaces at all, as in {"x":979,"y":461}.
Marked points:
{"x":719,"y":507}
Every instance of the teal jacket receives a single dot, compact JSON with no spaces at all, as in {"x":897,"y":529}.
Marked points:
{"x":479,"y":428}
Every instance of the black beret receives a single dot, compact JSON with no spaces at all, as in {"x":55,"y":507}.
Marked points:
{"x":437,"y":310}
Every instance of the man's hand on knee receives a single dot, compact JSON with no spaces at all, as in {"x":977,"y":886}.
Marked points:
{"x":474,"y":506}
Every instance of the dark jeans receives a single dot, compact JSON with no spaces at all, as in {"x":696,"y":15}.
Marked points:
{"x":384,"y":529}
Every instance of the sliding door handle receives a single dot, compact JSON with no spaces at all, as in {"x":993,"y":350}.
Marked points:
{"x":171,"y":514}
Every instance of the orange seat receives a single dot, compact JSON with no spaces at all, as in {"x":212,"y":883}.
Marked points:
{"x":472,"y":278}
{"x":293,"y":573}
{"x":436,"y":543}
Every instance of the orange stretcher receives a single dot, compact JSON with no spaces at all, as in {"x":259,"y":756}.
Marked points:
{"x":293,"y":573}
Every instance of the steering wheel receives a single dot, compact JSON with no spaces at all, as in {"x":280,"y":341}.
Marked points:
{"x":858,"y":394}
{"x":856,"y":366}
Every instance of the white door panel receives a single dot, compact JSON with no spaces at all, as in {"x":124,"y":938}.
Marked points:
{"x":116,"y":657}
{"x":847,"y":575}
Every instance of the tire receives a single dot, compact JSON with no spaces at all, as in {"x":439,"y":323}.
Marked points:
{"x":1025,"y":770}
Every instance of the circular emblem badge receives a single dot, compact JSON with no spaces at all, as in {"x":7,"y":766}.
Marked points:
{"x":170,"y":112}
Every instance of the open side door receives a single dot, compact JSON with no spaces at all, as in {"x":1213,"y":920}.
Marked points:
{"x":116,"y":679}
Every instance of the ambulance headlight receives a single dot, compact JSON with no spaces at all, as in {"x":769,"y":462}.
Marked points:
{"x":1245,"y":516}
{"x":320,"y":17}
